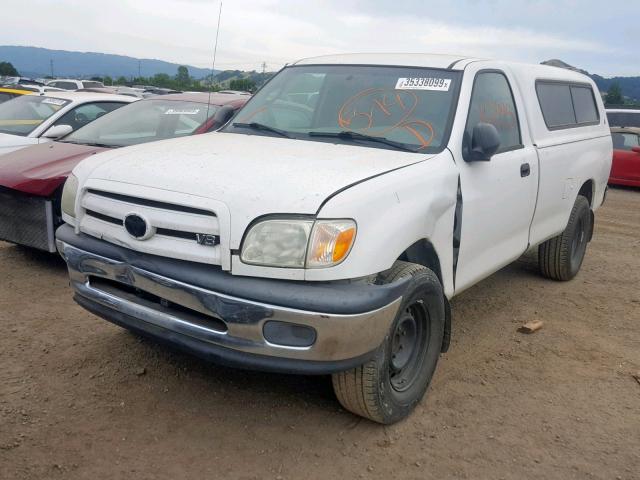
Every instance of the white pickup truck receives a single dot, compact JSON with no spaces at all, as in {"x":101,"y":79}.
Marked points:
{"x":324,"y":229}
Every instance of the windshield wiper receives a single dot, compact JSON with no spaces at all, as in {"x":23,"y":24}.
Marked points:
{"x":103,"y":145}
{"x":261,"y":126}
{"x":348,"y":135}
{"x":91,"y":144}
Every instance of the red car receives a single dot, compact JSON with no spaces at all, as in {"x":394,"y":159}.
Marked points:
{"x":625,"y":169}
{"x":31,"y":179}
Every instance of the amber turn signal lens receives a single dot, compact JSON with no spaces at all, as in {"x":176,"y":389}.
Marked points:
{"x":330,"y":243}
{"x":343,"y":244}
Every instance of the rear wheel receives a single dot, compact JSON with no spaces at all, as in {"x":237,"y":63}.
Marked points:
{"x":388,"y":387}
{"x":560,"y":257}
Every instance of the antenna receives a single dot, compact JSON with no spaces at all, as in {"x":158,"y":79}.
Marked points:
{"x":213,"y":62}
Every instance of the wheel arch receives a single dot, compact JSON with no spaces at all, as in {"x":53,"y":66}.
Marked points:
{"x":423,"y":252}
{"x":587,"y":190}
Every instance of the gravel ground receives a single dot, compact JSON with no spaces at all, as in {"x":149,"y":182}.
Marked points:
{"x":81,"y":398}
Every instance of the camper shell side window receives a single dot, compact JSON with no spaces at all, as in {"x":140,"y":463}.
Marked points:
{"x":567,"y":104}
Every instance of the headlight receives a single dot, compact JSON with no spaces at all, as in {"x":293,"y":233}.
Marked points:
{"x":69,"y":192}
{"x":277,"y":243}
{"x":297,"y":243}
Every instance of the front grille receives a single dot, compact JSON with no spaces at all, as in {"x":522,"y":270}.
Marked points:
{"x":151,"y":203}
{"x":181,"y":231}
{"x":27,"y":220}
{"x":104,"y":218}
{"x":167,"y":232}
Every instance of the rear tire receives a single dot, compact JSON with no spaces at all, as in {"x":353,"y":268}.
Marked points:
{"x":388,"y":387}
{"x":560,"y":257}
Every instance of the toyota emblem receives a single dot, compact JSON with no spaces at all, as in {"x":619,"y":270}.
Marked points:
{"x":137,"y":226}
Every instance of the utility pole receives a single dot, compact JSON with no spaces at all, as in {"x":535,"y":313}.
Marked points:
{"x":139,"y":63}
{"x":51,"y":65}
{"x":264,"y":67}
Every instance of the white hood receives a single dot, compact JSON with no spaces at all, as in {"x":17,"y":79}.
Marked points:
{"x":253,"y":175}
{"x":10,"y":143}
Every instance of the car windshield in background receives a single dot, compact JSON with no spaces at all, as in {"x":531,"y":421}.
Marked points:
{"x":388,"y":107}
{"x":624,"y":119}
{"x":144,"y":121}
{"x":22,"y":115}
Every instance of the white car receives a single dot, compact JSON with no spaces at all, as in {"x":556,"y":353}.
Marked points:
{"x":72,"y":84}
{"x":41,"y":88}
{"x":325,"y":228}
{"x":32,"y":119}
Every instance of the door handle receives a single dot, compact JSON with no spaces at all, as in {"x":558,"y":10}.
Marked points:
{"x":525,"y":170}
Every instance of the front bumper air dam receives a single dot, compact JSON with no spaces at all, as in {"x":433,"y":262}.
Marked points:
{"x":220,"y":317}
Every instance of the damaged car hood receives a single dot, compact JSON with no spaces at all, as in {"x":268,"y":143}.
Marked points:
{"x":253,"y":175}
{"x":41,"y":169}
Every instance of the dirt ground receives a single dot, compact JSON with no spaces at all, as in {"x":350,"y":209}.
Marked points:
{"x":81,"y":398}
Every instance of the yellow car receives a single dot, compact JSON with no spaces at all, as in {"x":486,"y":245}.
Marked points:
{"x":7,"y":93}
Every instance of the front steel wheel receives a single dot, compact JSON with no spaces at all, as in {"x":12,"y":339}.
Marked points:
{"x":389,"y":386}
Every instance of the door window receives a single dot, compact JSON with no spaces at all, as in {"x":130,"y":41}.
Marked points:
{"x":492,"y":102}
{"x":67,"y":85}
{"x":80,"y":116}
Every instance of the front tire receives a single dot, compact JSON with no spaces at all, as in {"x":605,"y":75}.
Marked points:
{"x":388,"y":387}
{"x":560,"y":257}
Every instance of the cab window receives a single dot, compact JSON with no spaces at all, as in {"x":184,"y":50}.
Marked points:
{"x":492,"y":102}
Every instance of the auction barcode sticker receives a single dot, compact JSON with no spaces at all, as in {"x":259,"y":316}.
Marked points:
{"x":422,"y":83}
{"x":182,"y":111}
{"x":54,"y":101}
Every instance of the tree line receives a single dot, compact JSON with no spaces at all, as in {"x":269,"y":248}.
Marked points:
{"x":6,"y":69}
{"x":182,"y":80}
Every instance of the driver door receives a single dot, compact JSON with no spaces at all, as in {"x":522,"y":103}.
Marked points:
{"x":498,"y":196}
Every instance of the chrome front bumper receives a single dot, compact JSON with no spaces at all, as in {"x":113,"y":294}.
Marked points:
{"x":215,"y":319}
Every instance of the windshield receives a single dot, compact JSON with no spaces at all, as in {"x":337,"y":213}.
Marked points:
{"x":406,"y":106}
{"x":22,"y":115}
{"x":144,"y":121}
{"x":624,"y":119}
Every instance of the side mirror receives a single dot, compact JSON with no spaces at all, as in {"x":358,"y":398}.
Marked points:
{"x":223,"y":115}
{"x":485,"y":142}
{"x":635,"y":149}
{"x":58,"y":131}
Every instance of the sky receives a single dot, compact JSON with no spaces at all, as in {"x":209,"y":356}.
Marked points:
{"x":586,"y":33}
